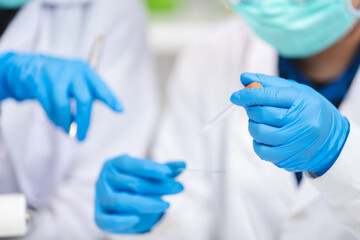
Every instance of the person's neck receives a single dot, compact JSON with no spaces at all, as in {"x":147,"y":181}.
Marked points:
{"x":329,"y":64}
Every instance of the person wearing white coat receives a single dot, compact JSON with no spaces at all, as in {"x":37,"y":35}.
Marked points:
{"x":252,"y":199}
{"x":55,"y":173}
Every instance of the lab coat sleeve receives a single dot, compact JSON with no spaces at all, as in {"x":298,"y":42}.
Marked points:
{"x":340,"y":186}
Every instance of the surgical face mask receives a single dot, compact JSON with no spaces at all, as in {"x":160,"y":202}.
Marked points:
{"x":298,"y":28}
{"x":12,"y":4}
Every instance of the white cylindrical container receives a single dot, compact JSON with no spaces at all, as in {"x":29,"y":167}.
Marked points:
{"x":12,"y":215}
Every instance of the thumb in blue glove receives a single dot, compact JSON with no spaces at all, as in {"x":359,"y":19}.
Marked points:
{"x":293,"y":126}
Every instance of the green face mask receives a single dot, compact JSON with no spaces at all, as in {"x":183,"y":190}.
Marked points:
{"x":12,"y":4}
{"x":298,"y":28}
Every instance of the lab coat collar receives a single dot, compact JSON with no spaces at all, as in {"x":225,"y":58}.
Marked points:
{"x":351,"y":101}
{"x":306,"y":194}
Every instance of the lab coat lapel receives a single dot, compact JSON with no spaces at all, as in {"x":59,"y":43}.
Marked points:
{"x":350,"y":106}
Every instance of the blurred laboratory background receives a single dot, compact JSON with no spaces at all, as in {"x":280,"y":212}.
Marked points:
{"x":173,"y":24}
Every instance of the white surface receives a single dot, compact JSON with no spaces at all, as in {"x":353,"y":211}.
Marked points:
{"x":12,"y":215}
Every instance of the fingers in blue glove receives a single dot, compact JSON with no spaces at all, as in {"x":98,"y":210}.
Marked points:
{"x":265,"y":80}
{"x":283,"y":155}
{"x":103,"y":92}
{"x":59,"y":93}
{"x":115,"y":223}
{"x":141,"y":167}
{"x":62,"y":110}
{"x":266,"y":96}
{"x":131,"y":203}
{"x":147,"y":222}
{"x":133,"y":184}
{"x":112,"y":201}
{"x":54,"y":81}
{"x":125,"y":223}
{"x":272,"y":116}
{"x":82,"y":94}
{"x":176,"y":167}
{"x":293,"y":126}
{"x":269,"y":135}
{"x":45,"y":101}
{"x":269,"y":95}
{"x":271,"y":154}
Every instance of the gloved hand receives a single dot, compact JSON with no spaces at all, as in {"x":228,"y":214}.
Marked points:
{"x":128,"y":194}
{"x":293,"y":126}
{"x":53,"y":82}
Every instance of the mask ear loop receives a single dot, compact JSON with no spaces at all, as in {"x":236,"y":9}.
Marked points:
{"x":353,"y":10}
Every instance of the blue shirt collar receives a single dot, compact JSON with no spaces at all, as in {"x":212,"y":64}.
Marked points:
{"x":335,"y":91}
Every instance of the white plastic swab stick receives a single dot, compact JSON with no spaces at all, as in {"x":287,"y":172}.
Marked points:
{"x":201,"y":170}
{"x":93,"y":62}
{"x":226,"y":112}
{"x":207,"y":127}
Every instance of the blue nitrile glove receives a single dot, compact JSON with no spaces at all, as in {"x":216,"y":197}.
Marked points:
{"x":129,"y":191}
{"x":53,"y":82}
{"x":293,"y":126}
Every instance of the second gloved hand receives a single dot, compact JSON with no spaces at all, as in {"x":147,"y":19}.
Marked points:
{"x":293,"y":126}
{"x":54,"y":82}
{"x":129,"y":191}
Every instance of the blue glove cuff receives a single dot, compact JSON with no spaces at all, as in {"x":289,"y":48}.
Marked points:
{"x":331,"y":163}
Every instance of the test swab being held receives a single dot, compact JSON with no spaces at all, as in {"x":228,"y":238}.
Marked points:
{"x":201,"y":170}
{"x":93,"y":62}
{"x":207,"y":127}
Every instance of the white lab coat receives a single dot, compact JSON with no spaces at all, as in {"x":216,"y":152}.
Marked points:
{"x":56,"y":174}
{"x":254,"y":199}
